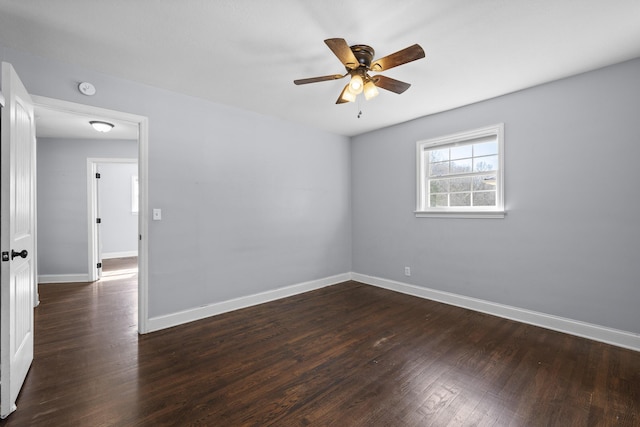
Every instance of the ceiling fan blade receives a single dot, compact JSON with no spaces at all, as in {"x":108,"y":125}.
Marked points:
{"x":390,"y":84}
{"x":342,"y":50}
{"x":319,"y":79}
{"x":403,"y":56}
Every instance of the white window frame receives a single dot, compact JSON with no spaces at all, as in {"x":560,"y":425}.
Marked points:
{"x":461,"y":138}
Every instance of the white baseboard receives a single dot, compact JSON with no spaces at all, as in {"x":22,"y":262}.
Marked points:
{"x":63,"y":278}
{"x":573,"y":327}
{"x":175,"y":319}
{"x":126,"y":254}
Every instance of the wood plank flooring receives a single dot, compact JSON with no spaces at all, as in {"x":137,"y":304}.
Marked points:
{"x":345,"y":355}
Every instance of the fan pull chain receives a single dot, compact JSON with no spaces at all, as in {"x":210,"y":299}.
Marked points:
{"x":359,"y":109}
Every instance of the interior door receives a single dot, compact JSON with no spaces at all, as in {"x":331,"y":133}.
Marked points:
{"x":98,"y":220}
{"x":17,"y":206}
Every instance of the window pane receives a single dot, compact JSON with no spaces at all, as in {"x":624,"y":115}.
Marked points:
{"x":485,"y":149}
{"x":438,"y":155}
{"x":488,"y":163}
{"x":460,"y":199}
{"x":462,"y":152}
{"x":438,"y":186}
{"x":460,"y":184}
{"x":485,"y":198}
{"x":438,"y":169}
{"x":484,"y":182}
{"x":461,"y":172}
{"x":438,"y":200}
{"x":459,"y":166}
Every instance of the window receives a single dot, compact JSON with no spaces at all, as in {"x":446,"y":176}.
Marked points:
{"x":461,"y":175}
{"x":134,"y":194}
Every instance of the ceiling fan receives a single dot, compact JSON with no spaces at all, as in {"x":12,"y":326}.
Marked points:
{"x":358,"y":61}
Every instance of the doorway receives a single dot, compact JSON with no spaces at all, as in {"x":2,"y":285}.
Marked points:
{"x":112,"y":211}
{"x":82,"y":114}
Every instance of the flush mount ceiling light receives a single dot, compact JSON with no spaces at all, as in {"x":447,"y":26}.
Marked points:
{"x":101,"y":126}
{"x":358,"y":62}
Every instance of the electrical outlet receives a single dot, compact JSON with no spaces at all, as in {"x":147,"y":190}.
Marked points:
{"x":407,"y":271}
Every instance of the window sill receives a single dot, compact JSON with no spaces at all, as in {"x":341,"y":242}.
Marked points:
{"x":460,"y":214}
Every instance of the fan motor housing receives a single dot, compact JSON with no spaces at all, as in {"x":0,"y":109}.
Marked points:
{"x":363,"y":53}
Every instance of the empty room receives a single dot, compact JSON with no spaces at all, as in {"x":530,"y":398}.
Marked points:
{"x":294,"y":213}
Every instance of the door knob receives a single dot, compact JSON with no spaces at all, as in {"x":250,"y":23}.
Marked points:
{"x":22,"y":254}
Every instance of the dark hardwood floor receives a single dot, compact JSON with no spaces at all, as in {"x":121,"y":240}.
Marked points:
{"x":345,"y":355}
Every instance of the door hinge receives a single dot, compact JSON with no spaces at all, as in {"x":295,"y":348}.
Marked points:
{"x":99,"y":265}
{"x":97,"y":175}
{"x":98,"y":220}
{"x":5,"y":256}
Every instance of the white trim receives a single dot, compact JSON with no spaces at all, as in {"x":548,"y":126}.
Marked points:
{"x":569,"y":326}
{"x":63,"y":278}
{"x":143,"y":170}
{"x":2,"y":101}
{"x":452,"y":214}
{"x":92,"y":213}
{"x":125,"y":254}
{"x":466,"y":137}
{"x":143,"y":225}
{"x":179,"y":318}
{"x":95,"y":255}
{"x":135,"y":197}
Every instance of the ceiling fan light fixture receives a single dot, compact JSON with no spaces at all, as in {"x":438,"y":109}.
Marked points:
{"x":370,"y":90}
{"x":358,"y":62}
{"x":101,"y":126}
{"x":346,"y":95}
{"x":356,"y":84}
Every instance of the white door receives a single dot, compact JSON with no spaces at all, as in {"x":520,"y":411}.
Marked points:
{"x":98,"y":220}
{"x":18,"y":266}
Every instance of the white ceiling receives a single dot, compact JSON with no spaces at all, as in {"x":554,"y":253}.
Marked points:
{"x":246,"y":53}
{"x":52,"y":123}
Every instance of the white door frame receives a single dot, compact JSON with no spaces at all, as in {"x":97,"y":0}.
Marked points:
{"x":92,"y":203}
{"x":143,"y":175}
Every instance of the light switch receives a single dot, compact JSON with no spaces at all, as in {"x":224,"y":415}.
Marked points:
{"x":157,"y":214}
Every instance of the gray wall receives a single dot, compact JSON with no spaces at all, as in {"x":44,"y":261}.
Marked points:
{"x":119,"y":227}
{"x":570,"y":243}
{"x":249,"y":203}
{"x":62,"y":200}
